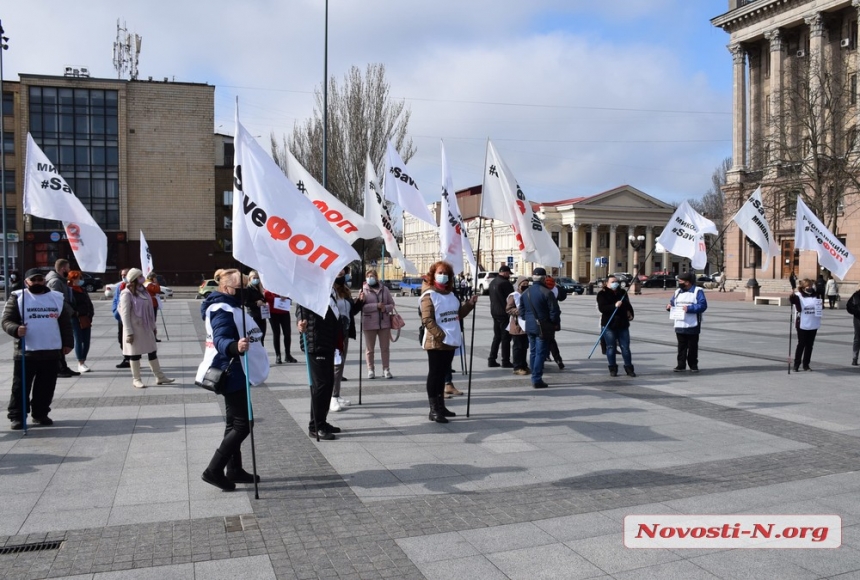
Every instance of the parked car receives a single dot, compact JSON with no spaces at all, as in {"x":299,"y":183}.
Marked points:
{"x":206,"y":288}
{"x":624,"y":279}
{"x":392,"y":285}
{"x":570,"y":285}
{"x":660,"y":281}
{"x":411,"y":285}
{"x":484,"y":279}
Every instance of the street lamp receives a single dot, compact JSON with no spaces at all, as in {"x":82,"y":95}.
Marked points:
{"x":636,"y":242}
{"x":4,"y":45}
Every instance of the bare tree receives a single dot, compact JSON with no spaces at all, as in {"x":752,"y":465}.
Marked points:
{"x":712,"y":205}
{"x":362,"y":118}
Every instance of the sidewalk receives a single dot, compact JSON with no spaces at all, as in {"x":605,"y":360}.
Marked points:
{"x":533,"y":484}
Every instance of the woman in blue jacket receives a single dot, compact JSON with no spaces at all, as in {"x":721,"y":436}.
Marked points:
{"x":232,"y":334}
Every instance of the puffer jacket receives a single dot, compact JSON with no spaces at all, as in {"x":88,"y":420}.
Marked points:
{"x":321,"y":332}
{"x":428,"y":318}
{"x":225,"y":337}
{"x":372,"y":318}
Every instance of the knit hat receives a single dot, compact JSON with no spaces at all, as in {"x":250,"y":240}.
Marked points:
{"x":133,"y":274}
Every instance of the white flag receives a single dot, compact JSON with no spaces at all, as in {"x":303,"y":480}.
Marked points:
{"x":684,"y":235}
{"x":752,"y":221}
{"x":145,"y":257}
{"x":401,"y":189}
{"x":280,"y":233}
{"x":811,"y":234}
{"x":348,"y":224}
{"x":453,"y":239}
{"x":376,"y":212}
{"x":47,"y":195}
{"x":503,"y":200}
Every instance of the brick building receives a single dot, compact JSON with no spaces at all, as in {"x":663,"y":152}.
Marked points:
{"x":140,"y":155}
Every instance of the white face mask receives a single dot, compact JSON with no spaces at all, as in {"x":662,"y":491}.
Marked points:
{"x":614,"y":285}
{"x":371,"y":281}
{"x":442,"y":278}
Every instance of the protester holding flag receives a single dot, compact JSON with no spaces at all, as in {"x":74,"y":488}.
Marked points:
{"x":616,"y":312}
{"x":279,"y":316}
{"x":441,"y":315}
{"x":809,"y":307}
{"x":45,"y":340}
{"x":232,"y":336}
{"x":347,"y":308}
{"x":376,"y":321}
{"x":82,"y":319}
{"x":138,"y":322}
{"x":253,"y":295}
{"x":686,"y":308}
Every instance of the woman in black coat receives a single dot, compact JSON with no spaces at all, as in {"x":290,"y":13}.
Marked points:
{"x":347,"y":309}
{"x":253,"y":299}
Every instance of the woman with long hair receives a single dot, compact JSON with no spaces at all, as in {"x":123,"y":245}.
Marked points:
{"x":138,"y":325}
{"x":441,"y":313}
{"x":254,"y":296}
{"x":376,"y":320}
{"x":82,"y":319}
{"x":347,"y":309}
{"x":230,"y":334}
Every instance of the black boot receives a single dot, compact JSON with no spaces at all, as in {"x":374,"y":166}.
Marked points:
{"x":629,"y":371}
{"x":436,"y":414}
{"x":235,"y":473}
{"x":445,"y":411}
{"x":613,"y":370}
{"x":854,"y":360}
{"x":214,"y":474}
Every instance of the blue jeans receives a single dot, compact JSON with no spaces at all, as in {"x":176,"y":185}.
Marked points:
{"x":82,"y":339}
{"x":539,"y":349}
{"x":623,"y":338}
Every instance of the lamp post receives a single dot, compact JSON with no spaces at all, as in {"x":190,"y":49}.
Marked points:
{"x":4,"y":45}
{"x":636,"y":242}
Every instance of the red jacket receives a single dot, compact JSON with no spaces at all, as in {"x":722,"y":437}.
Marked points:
{"x":270,"y":300}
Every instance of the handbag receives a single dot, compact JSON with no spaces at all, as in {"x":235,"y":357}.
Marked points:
{"x":397,"y":321}
{"x":215,"y":379}
{"x":85,"y":321}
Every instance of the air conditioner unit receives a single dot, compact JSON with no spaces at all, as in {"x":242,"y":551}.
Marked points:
{"x":85,"y":71}
{"x":801,"y":54}
{"x":845,"y":43}
{"x":68,"y":71}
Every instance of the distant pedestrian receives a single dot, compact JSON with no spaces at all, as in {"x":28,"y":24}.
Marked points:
{"x":347,"y":308}
{"x":56,"y":281}
{"x":41,"y":340}
{"x":517,"y":329}
{"x":499,"y":290}
{"x":722,"y":282}
{"x":279,"y":316}
{"x":792,"y":279}
{"x":560,"y":295}
{"x":82,"y":319}
{"x":809,"y":307}
{"x":376,"y":321}
{"x":120,"y":335}
{"x":539,"y":308}
{"x":832,"y":292}
{"x":820,"y":286}
{"x":254,"y":298}
{"x":687,"y":306}
{"x":138,"y":323}
{"x":616,"y":312}
{"x":853,"y":308}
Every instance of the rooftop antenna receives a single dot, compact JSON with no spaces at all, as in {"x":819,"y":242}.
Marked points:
{"x":126,"y":52}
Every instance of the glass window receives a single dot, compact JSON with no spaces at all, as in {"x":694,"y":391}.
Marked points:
{"x":228,"y":197}
{"x":9,"y":180}
{"x":8,"y":142}
{"x":8,"y":104}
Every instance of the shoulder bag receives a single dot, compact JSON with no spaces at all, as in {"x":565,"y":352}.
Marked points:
{"x":215,"y":379}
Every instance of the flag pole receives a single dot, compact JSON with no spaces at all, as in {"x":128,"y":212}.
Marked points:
{"x":361,"y":322}
{"x":23,"y":321}
{"x":790,"y":332}
{"x":248,"y":394}
{"x":475,"y":281}
{"x":608,"y":322}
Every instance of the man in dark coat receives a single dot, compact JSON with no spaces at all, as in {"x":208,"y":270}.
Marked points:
{"x":500,"y":288}
{"x":616,"y":312}
{"x":321,"y":335}
{"x":539,"y":308}
{"x":56,"y":281}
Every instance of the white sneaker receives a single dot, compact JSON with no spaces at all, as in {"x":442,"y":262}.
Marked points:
{"x":334,"y":407}
{"x":343,"y":402}
{"x":387,"y":374}
{"x":371,"y":375}
{"x":83,"y":368}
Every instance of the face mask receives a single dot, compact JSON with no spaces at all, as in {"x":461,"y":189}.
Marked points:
{"x":371,"y":281}
{"x":348,"y":278}
{"x":340,"y":280}
{"x":39,"y":288}
{"x":255,"y":281}
{"x":79,"y":283}
{"x":536,"y":278}
{"x":614,"y":285}
{"x":442,"y":279}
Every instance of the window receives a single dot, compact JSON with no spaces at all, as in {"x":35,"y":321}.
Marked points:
{"x":8,"y":142}
{"x":228,"y":197}
{"x":555,"y":237}
{"x":765,"y":61}
{"x":8,"y":104}
{"x":790,"y":203}
{"x":9,"y":180}
{"x":604,"y":240}
{"x":228,"y":154}
{"x":852,"y":33}
{"x":851,"y":139}
{"x":569,"y":239}
{"x":852,"y":89}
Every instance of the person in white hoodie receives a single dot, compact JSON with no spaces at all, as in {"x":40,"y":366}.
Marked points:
{"x":516,"y":328}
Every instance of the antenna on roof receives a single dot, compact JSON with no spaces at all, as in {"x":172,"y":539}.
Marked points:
{"x":126,"y":52}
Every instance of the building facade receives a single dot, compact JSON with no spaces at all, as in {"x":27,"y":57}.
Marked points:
{"x":140,"y":155}
{"x":588,"y":230}
{"x":795,"y":65}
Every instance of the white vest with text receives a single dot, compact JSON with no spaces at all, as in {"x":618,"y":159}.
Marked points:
{"x":42,"y":319}
{"x":258,"y":359}
{"x":691,"y":319}
{"x":810,"y":312}
{"x":447,"y":309}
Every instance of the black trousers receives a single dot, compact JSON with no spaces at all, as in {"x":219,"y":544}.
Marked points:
{"x":237,"y":425}
{"x":261,"y":322}
{"x":41,"y":378}
{"x":439,"y":362}
{"x":803,"y":352}
{"x":856,"y":335}
{"x":553,"y":350}
{"x":688,"y":350}
{"x":119,"y":337}
{"x":519,"y":350}
{"x":501,"y":337}
{"x":281,"y":322}
{"x":322,"y":386}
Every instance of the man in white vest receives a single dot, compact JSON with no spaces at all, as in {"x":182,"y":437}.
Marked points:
{"x":686,"y":308}
{"x":40,"y":321}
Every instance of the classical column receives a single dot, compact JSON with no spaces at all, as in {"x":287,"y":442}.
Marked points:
{"x":777,"y":65}
{"x":594,"y":241}
{"x":756,"y":104}
{"x":739,"y":109}
{"x":613,"y":255}
{"x":816,"y":63}
{"x":649,"y":250}
{"x":631,"y":262}
{"x":574,"y":252}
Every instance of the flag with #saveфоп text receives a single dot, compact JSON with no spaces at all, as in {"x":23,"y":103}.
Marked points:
{"x":453,"y":239}
{"x":810,"y":234}
{"x":399,"y":188}
{"x":753,"y":223}
{"x":280,"y":233}
{"x":146,"y":265}
{"x":47,"y":195}
{"x":684,"y":235}
{"x":376,"y":212}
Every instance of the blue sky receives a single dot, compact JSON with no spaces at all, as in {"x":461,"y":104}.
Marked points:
{"x":579,"y":96}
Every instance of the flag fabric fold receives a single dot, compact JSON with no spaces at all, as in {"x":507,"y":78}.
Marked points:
{"x":376,"y":213}
{"x":146,"y":265}
{"x":684,"y":235}
{"x":811,"y":234}
{"x":502,"y":199}
{"x":400,"y":189}
{"x":453,"y":239}
{"x":753,"y":223}
{"x":47,"y":195}
{"x":280,"y":233}
{"x":349,"y":225}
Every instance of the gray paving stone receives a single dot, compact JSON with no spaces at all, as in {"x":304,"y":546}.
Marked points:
{"x":554,"y":561}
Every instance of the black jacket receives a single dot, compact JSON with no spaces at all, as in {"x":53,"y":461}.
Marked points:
{"x":606,"y":300}
{"x":12,"y":320}
{"x":250,"y":296}
{"x":499,"y":290}
{"x":83,"y":304}
{"x":321,"y":332}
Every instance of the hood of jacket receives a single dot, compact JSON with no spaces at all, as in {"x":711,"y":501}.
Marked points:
{"x":216,"y":297}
